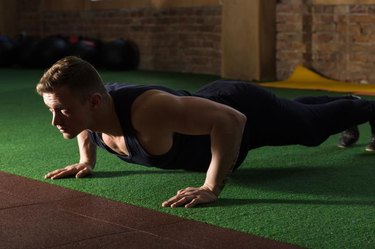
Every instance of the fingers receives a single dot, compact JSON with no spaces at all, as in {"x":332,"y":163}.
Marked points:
{"x":180,"y":200}
{"x":60,"y":173}
{"x":185,"y":190}
{"x":193,"y":203}
{"x":190,"y":197}
{"x":84,"y":172}
{"x":49,"y":175}
{"x":78,"y":170}
{"x":167,"y":203}
{"x":182,"y":197}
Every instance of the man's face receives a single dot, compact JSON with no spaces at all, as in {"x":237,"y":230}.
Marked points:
{"x":70,"y":114}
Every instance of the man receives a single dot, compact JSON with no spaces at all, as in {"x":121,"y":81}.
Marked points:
{"x":210,"y":131}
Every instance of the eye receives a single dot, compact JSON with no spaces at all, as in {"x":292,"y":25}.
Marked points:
{"x":65,"y":112}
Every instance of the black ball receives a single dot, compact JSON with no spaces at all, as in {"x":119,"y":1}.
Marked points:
{"x":87,"y":50}
{"x":7,"y":48}
{"x":25,"y":50}
{"x":49,"y":50}
{"x":120,"y":55}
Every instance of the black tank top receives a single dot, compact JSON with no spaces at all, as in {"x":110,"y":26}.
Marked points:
{"x":187,"y":152}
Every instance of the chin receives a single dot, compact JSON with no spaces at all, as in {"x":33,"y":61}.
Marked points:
{"x":68,"y":136}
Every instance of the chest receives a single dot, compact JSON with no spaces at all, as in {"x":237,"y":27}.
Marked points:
{"x":117,"y":144}
{"x":153,"y":144}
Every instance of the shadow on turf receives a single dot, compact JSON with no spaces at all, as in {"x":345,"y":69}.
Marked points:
{"x":346,"y":185}
{"x":354,"y":182}
{"x":114,"y":174}
{"x":226,"y":202}
{"x":348,"y":181}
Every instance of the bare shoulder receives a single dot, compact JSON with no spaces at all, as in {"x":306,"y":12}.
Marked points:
{"x":159,"y":103}
{"x":152,"y":109}
{"x":154,"y":97}
{"x":153,"y":117}
{"x":154,"y":101}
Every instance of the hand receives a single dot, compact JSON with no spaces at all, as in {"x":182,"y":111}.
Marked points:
{"x":190,"y":197}
{"x":78,"y":170}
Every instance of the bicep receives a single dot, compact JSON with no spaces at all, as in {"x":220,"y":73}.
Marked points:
{"x":197,"y":116}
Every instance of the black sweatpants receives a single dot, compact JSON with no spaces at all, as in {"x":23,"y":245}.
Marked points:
{"x":273,"y":121}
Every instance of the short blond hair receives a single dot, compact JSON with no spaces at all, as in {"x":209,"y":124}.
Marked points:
{"x":77,"y":74}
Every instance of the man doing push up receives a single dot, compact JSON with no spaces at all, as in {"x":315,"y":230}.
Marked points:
{"x":211,"y":130}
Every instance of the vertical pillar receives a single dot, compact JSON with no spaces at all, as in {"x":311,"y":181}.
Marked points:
{"x":248,"y":39}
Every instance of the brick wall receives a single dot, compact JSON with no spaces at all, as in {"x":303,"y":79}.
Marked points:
{"x":186,"y":39}
{"x":292,"y":46}
{"x":350,"y":42}
{"x":336,"y":40}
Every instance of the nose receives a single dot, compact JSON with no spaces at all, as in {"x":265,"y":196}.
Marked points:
{"x":56,"y":120}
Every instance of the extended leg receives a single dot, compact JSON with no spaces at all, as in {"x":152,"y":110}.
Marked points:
{"x":343,"y":113}
{"x":349,"y":136}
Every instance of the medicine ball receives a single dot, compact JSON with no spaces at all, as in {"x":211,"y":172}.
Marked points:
{"x":119,"y":55}
{"x":25,"y":50}
{"x":7,"y":48}
{"x":51,"y":49}
{"x":86,"y":49}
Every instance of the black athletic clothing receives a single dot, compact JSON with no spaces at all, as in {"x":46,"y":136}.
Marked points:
{"x":271,"y":121}
{"x":187,"y":152}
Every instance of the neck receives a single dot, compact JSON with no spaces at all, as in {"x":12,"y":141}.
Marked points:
{"x":106,"y":119}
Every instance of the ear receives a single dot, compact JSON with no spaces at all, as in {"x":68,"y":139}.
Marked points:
{"x":95,"y":100}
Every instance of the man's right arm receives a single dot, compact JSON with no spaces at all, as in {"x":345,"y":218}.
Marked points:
{"x":87,"y":153}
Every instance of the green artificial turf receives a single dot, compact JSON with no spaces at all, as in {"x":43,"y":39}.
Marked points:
{"x":320,"y":197}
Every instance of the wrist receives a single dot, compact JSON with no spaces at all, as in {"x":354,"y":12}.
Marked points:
{"x":213,"y":189}
{"x":88,"y":163}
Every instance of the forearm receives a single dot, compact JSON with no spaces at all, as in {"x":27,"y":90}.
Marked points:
{"x":87,"y":149}
{"x":225,"y":146}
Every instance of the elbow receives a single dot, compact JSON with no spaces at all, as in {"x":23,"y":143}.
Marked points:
{"x":239,"y":120}
{"x":231,"y":121}
{"x":242,"y":119}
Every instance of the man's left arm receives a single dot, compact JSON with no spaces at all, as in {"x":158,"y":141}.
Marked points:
{"x":225,"y":126}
